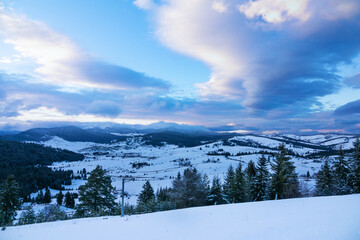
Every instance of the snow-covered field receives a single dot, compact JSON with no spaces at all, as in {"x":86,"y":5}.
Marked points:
{"x":163,"y":163}
{"x":318,"y":218}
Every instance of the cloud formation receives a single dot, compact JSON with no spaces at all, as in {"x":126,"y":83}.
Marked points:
{"x":267,"y":55}
{"x":348,"y":109}
{"x":61,"y":62}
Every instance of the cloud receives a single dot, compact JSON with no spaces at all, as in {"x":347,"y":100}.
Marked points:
{"x":61,"y":62}
{"x":353,"y":81}
{"x":220,"y":6}
{"x":348,"y":109}
{"x":104,"y":108}
{"x":144,"y":4}
{"x":281,"y":55}
{"x":276,"y":11}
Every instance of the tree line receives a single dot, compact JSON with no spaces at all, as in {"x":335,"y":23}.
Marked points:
{"x":28,"y":163}
{"x":343,"y":177}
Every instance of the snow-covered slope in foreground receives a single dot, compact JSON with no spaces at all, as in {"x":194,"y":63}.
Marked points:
{"x":336,"y":217}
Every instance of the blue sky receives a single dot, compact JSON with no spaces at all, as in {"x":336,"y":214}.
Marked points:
{"x":257,"y":66}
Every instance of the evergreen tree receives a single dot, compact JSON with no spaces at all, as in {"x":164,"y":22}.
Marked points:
{"x":47,"y":196}
{"x":190,"y":190}
{"x":97,"y":195}
{"x":324,"y":181}
{"x":84,"y":174}
{"x":229,"y":186}
{"x":147,"y":193}
{"x":69,"y":200}
{"x":250,"y":179}
{"x":9,"y":201}
{"x":262,"y":178}
{"x":284,"y":180}
{"x":146,"y":199}
{"x":59,"y":198}
{"x":40,"y":197}
{"x":355,"y":167}
{"x":163,"y":200}
{"x":240,"y":185}
{"x":215,"y":195}
{"x":163,"y":194}
{"x":341,"y":174}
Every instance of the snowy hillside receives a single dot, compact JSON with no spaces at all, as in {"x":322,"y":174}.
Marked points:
{"x":315,"y":218}
{"x":160,"y":164}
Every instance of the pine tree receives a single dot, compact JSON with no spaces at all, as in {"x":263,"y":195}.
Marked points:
{"x":47,"y":196}
{"x":9,"y":201}
{"x":69,"y":200}
{"x":163,"y":194}
{"x":84,"y":174}
{"x":240,"y":185}
{"x":355,"y":167}
{"x":59,"y":198}
{"x":146,"y":199}
{"x":324,"y":181}
{"x":40,"y":197}
{"x":284,"y":180}
{"x":229,"y":186}
{"x":97,"y":195}
{"x":190,"y":190}
{"x":262,"y":178}
{"x":341,"y":174}
{"x":250,"y":180}
{"x":215,"y":195}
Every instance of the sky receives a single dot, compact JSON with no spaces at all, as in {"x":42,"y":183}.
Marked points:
{"x":257,"y":66}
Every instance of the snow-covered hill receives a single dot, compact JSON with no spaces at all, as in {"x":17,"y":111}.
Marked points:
{"x":160,"y":164}
{"x":315,"y":218}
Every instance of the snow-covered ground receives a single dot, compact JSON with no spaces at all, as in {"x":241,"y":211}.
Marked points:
{"x":318,"y":218}
{"x":163,"y":163}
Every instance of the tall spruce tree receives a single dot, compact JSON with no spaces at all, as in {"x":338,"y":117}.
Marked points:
{"x":147,"y":193}
{"x":251,"y":171}
{"x":163,"y":194}
{"x":69,"y":200}
{"x":97,"y":196}
{"x":229,"y":186}
{"x":146,"y":199}
{"x":59,"y":198}
{"x":40,"y":197}
{"x":324,"y":181}
{"x":284,"y":180}
{"x":9,"y":201}
{"x":355,"y":167}
{"x":190,"y":189}
{"x":47,"y":196}
{"x":215,"y":195}
{"x":262,"y":177}
{"x":342,"y":174}
{"x":241,"y":190}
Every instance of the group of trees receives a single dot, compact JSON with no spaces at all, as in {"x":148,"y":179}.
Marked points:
{"x":188,"y":190}
{"x":343,"y":177}
{"x":254,"y":183}
{"x":29,"y":162}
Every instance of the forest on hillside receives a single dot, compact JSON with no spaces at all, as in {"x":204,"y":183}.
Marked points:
{"x":29,"y":162}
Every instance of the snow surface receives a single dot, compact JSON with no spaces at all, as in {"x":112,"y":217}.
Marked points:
{"x":318,"y":218}
{"x":164,"y":162}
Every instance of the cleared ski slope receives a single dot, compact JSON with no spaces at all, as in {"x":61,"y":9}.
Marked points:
{"x":319,"y":218}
